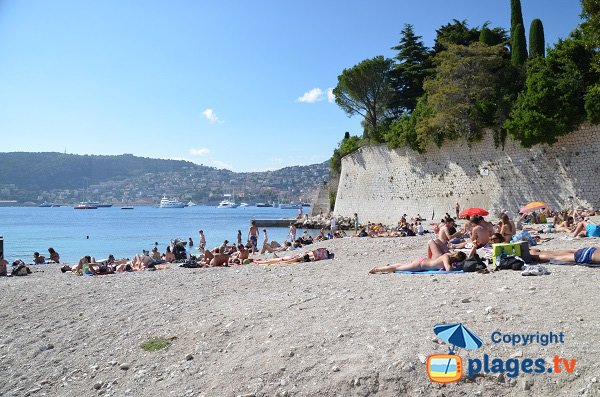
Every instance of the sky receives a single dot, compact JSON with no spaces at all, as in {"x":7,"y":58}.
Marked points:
{"x":243,"y":85}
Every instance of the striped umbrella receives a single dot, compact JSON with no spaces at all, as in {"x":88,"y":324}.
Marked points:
{"x":458,"y":335}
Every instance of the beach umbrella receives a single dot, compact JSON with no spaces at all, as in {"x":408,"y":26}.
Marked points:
{"x":536,"y":205}
{"x":458,"y":335}
{"x":472,"y":212}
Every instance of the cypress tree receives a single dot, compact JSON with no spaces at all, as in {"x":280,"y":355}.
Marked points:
{"x":516,"y":16}
{"x":537,"y":45}
{"x":519,"y":46}
{"x":486,"y":37}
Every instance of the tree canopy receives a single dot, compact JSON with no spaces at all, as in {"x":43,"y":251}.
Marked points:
{"x":474,"y":80}
{"x":413,"y":65}
{"x":366,"y":89}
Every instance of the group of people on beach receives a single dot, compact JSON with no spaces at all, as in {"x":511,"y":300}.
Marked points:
{"x":453,"y":244}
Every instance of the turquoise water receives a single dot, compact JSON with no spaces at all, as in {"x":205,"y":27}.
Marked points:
{"x":123,"y":233}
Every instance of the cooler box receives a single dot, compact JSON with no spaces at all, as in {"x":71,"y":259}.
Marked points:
{"x":520,"y":248}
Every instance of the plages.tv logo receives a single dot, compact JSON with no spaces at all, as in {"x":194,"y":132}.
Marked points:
{"x":448,"y":368}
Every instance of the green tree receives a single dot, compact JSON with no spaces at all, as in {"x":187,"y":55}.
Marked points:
{"x":516,"y":15}
{"x":592,"y":104}
{"x":403,"y":132}
{"x":552,"y":102}
{"x":467,"y":94}
{"x":537,"y":44}
{"x":591,"y":28}
{"x":493,"y":36}
{"x":366,"y":89}
{"x":486,"y":37}
{"x":348,"y":145}
{"x":413,"y":65}
{"x":519,"y":50}
{"x":457,"y":32}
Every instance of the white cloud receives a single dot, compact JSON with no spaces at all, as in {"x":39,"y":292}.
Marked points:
{"x":312,"y":96}
{"x":330,"y":96}
{"x":211,"y":116}
{"x":199,"y":151}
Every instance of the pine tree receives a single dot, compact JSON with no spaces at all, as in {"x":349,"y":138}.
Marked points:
{"x":519,"y":46}
{"x":537,"y":45}
{"x":413,"y":63}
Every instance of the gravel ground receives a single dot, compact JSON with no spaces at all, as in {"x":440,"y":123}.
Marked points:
{"x":313,"y":329}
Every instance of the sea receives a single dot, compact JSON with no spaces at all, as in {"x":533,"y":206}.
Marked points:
{"x":125,"y":233}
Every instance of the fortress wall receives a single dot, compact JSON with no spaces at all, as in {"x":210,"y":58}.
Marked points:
{"x":381,"y":184}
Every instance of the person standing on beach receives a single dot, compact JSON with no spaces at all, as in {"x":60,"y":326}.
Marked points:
{"x":202,"y":241}
{"x":239,"y":238}
{"x":253,"y":235}
{"x":356,"y":223}
{"x":292,"y":234}
{"x":457,"y":210}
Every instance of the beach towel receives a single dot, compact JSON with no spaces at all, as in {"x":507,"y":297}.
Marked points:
{"x":428,"y":272}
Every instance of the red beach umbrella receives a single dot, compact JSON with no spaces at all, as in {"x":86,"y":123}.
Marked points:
{"x":472,"y":212}
{"x":536,"y":205}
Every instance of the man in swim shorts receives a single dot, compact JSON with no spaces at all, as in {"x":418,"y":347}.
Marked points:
{"x":582,"y":256}
{"x":253,"y":236}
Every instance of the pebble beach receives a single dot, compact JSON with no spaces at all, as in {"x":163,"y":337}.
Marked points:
{"x":326,"y":328}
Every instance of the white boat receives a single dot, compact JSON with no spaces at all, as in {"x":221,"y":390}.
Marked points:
{"x":227,"y":204}
{"x":46,"y":204}
{"x":289,"y":206}
{"x":191,"y":203}
{"x":166,"y":203}
{"x":84,"y":205}
{"x":243,"y":204}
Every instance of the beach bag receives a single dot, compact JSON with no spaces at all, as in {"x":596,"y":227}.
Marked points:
{"x":510,"y":262}
{"x":524,"y":236}
{"x":473,"y":264}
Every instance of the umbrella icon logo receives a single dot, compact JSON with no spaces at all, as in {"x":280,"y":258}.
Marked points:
{"x":447,"y":368}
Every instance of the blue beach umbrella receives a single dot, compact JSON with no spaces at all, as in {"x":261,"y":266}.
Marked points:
{"x":458,"y":335}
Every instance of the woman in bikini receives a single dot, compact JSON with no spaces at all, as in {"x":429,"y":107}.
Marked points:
{"x":443,"y":262}
{"x":507,"y":228}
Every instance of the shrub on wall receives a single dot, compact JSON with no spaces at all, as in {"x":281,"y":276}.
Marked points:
{"x":592,"y":104}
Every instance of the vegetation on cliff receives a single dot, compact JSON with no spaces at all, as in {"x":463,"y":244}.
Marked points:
{"x":474,"y":79}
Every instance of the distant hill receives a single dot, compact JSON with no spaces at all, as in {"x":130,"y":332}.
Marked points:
{"x":126,"y":178}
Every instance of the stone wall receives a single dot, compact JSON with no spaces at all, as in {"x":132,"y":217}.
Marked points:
{"x":381,"y":184}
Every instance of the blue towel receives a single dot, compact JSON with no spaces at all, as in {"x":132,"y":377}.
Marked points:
{"x":428,"y":272}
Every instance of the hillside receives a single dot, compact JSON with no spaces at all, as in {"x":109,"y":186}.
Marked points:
{"x":67,"y":178}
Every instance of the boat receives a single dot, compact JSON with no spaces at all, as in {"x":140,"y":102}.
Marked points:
{"x":97,"y":204}
{"x":263,"y":205}
{"x":306,"y":204}
{"x":46,"y":204}
{"x":166,"y":203}
{"x":289,"y":206}
{"x":227,"y":204}
{"x":243,"y":204}
{"x":191,"y":204}
{"x":84,"y":205}
{"x":126,"y":208}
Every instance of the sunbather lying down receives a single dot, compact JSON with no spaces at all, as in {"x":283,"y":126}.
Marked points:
{"x":583,"y":256}
{"x":311,"y":256}
{"x":442,"y":262}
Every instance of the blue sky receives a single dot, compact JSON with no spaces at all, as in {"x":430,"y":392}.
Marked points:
{"x":240,"y":84}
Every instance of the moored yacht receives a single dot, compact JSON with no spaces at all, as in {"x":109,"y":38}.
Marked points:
{"x":166,"y":203}
{"x":227,"y":204}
